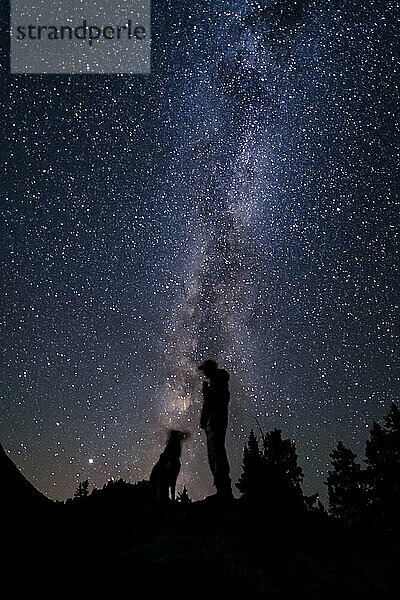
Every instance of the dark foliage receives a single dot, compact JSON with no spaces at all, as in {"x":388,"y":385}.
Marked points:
{"x":272,"y":476}
{"x":200,"y":548}
{"x":382,"y":457}
{"x":346,"y":486}
{"x":115,"y":493}
{"x":183,"y":496}
{"x":282,"y":471}
{"x":371,"y":495}
{"x":260,"y":549}
{"x":252,"y":482}
{"x":82,"y":491}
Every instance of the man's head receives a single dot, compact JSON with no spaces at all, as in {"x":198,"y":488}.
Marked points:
{"x":208,"y":367}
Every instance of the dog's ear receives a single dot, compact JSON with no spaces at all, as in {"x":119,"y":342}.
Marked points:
{"x":171,"y":433}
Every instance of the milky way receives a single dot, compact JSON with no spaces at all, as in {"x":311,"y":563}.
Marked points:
{"x":238,"y":203}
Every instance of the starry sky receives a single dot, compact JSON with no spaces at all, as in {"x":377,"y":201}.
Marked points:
{"x":238,"y":203}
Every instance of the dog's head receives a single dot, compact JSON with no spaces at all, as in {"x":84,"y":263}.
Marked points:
{"x":176,"y":436}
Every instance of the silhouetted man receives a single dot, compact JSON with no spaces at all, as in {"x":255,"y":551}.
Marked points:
{"x":214,"y":420}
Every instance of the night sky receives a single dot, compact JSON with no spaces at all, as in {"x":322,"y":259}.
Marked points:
{"x":239,"y":203}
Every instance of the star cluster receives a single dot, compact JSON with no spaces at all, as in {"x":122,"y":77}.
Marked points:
{"x":241,"y":203}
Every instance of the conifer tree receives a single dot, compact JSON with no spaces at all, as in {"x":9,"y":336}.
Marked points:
{"x":252,"y":480}
{"x":183,"y":496}
{"x":271,"y":476}
{"x":382,"y":456}
{"x":82,"y":491}
{"x":346,"y":489}
{"x":282,"y":472}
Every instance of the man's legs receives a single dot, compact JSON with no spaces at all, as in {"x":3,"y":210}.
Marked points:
{"x":218,"y":461}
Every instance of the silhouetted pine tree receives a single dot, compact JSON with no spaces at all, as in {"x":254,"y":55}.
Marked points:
{"x":272,"y":476}
{"x":382,"y":456}
{"x":283,"y":474}
{"x":183,"y":496}
{"x":346,"y":488}
{"x":82,"y":491}
{"x":252,"y":480}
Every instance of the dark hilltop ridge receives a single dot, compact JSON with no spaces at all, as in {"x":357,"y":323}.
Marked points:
{"x":17,"y":492}
{"x":116,"y":542}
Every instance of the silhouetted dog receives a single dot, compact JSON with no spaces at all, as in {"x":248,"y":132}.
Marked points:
{"x":166,"y":470}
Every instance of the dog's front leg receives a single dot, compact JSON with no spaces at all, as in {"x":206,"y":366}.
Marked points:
{"x":173,"y":491}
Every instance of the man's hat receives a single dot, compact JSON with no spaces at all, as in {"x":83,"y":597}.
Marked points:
{"x":208,"y":365}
